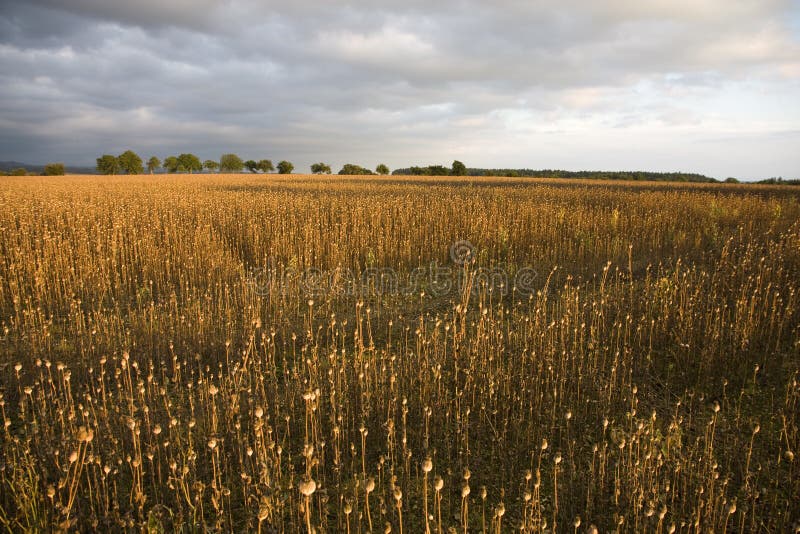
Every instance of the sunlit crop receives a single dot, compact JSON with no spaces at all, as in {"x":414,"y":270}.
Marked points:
{"x":191,"y":352}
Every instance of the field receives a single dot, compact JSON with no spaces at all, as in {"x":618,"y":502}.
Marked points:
{"x":364,"y":354}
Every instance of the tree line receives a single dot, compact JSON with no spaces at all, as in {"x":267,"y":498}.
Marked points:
{"x":458,"y":169}
{"x":130,"y":163}
{"x":51,"y":169}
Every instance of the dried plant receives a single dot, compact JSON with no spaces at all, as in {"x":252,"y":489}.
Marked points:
{"x":644,"y":378}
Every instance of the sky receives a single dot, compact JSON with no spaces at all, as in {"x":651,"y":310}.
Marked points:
{"x":708,"y":86}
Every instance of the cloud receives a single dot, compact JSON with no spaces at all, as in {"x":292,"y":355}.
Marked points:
{"x":385,"y":45}
{"x":195,"y":14}
{"x":507,"y":83}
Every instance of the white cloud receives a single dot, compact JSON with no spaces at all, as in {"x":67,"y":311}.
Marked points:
{"x":388,"y":44}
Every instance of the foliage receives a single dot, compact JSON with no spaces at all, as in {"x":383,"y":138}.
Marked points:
{"x":108,"y":164}
{"x":252,"y":165}
{"x":431,"y":170}
{"x":458,"y":169}
{"x":320,"y":168}
{"x":285,"y":167}
{"x":171,"y":164}
{"x":437,"y":170}
{"x":265,"y":165}
{"x":189,"y":163}
{"x":382,"y":169}
{"x":230,"y":163}
{"x":54,"y":169}
{"x":355,"y":170}
{"x":779,"y":181}
{"x":130,"y":162}
{"x":153,"y":164}
{"x":210,"y":165}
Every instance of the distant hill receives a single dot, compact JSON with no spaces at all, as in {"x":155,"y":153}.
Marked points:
{"x":10,"y":165}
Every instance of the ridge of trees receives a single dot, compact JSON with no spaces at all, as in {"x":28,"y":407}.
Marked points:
{"x":129,"y":162}
{"x":458,"y":170}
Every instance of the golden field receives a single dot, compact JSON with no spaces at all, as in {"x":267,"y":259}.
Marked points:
{"x":220,"y":352}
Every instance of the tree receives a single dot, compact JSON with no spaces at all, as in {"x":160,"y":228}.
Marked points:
{"x":438,"y":170}
{"x":171,"y":164}
{"x":130,"y":162}
{"x":152,"y":164}
{"x":108,"y":164}
{"x":459,"y":169}
{"x":285,"y":167}
{"x":19,"y":171}
{"x":353,"y":169}
{"x":382,"y":169}
{"x":320,"y":168}
{"x":190,"y":163}
{"x":230,"y":163}
{"x":251,"y":165}
{"x":266,"y":165}
{"x":54,"y":169}
{"x":211,"y":165}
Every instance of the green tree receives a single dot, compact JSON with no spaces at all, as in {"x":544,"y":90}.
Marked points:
{"x":171,"y":164}
{"x":459,"y":169}
{"x":382,"y":169}
{"x":19,"y":171}
{"x":211,"y":165}
{"x":130,"y":162}
{"x":266,"y":165}
{"x":438,"y":170}
{"x":230,"y":163}
{"x":353,"y":169}
{"x":54,"y":169}
{"x":108,"y":164}
{"x":190,"y":163}
{"x":152,"y":164}
{"x":320,"y":168}
{"x":285,"y":167}
{"x":252,"y":165}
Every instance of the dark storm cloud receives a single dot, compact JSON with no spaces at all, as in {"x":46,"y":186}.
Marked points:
{"x":501,"y":83}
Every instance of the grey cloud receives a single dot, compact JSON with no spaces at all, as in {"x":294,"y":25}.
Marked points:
{"x":196,"y":14}
{"x":352,"y":81}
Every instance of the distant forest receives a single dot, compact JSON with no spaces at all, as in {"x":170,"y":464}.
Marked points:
{"x":441,"y":170}
{"x":15,"y":168}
